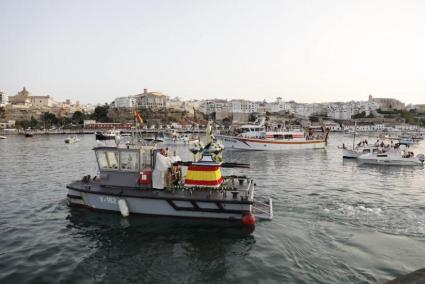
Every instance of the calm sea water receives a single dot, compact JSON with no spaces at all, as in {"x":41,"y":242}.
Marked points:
{"x":335,"y":222}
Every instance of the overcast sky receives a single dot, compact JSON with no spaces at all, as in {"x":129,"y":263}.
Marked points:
{"x":307,"y":51}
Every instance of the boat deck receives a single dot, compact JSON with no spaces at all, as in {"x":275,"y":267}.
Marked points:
{"x":233,"y":190}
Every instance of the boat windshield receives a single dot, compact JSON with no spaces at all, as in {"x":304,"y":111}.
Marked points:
{"x":107,"y":159}
{"x":129,"y":161}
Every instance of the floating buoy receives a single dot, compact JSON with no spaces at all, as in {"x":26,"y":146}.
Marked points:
{"x":123,"y":208}
{"x":248,"y":219}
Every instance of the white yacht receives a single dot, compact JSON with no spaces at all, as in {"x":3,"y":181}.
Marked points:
{"x":393,"y":157}
{"x":258,"y":138}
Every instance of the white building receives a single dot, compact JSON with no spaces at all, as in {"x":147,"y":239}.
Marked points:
{"x":279,"y":106}
{"x":243,"y":106}
{"x":151,"y":100}
{"x":4,"y":99}
{"x":125,"y":102}
{"x":211,"y":106}
{"x":42,"y":101}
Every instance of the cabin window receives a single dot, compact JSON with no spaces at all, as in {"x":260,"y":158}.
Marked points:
{"x":108,"y":160}
{"x":129,"y":161}
{"x":145,"y":158}
{"x":288,"y":136}
{"x":278,"y":136}
{"x":382,"y":156}
{"x":366,"y":151}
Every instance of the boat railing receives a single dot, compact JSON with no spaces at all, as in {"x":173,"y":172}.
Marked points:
{"x":263,"y":210}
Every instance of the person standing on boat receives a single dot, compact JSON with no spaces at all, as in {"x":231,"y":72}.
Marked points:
{"x":161,"y":170}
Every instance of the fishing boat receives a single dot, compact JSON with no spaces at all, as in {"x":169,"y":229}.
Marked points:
{"x":139,"y":179}
{"x":71,"y":139}
{"x":258,"y":138}
{"x":110,"y":135}
{"x":393,"y":157}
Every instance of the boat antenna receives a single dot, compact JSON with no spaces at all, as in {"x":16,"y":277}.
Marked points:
{"x":354,"y":134}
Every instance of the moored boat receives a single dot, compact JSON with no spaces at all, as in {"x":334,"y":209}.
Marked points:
{"x":110,"y":135}
{"x":3,"y":137}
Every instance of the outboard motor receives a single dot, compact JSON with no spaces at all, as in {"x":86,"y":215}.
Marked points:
{"x":421,"y":157}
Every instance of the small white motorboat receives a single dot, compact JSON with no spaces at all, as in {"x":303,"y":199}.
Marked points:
{"x":393,"y":157}
{"x":71,"y":139}
{"x":3,"y":137}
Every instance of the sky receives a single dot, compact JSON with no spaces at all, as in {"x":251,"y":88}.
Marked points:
{"x":307,"y":51}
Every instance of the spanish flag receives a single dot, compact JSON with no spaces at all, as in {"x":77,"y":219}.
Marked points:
{"x":204,"y":176}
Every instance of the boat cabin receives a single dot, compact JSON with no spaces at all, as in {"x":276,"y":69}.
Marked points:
{"x":126,"y":167}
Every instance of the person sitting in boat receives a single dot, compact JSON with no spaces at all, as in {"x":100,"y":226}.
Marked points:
{"x":365,"y":142}
{"x":377,"y":143}
{"x":343,"y":146}
{"x":161,"y":170}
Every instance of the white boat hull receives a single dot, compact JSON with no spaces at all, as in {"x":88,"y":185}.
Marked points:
{"x":373,"y":160}
{"x":350,"y":154}
{"x":240,"y":143}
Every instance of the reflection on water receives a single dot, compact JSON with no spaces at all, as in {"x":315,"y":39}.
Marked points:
{"x":149,"y":249}
{"x":334,"y":222}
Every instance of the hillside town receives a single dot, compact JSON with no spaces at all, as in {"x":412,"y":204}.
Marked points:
{"x":27,"y":110}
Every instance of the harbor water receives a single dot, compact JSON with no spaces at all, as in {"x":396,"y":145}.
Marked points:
{"x":334,"y":222}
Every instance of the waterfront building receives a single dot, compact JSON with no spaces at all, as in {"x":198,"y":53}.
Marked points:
{"x":4,"y":99}
{"x":388,"y":104}
{"x":125,"y":102}
{"x":215,"y":105}
{"x":151,"y":100}
{"x":42,"y":101}
{"x":106,"y":125}
{"x":279,"y":106}
{"x":21,"y":98}
{"x":418,"y":108}
{"x":7,"y":124}
{"x":243,"y":106}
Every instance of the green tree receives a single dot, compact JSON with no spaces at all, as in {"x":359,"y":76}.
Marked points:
{"x":50,"y":119}
{"x":409,"y":117}
{"x":78,"y":117}
{"x":359,"y":115}
{"x":100,"y":114}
